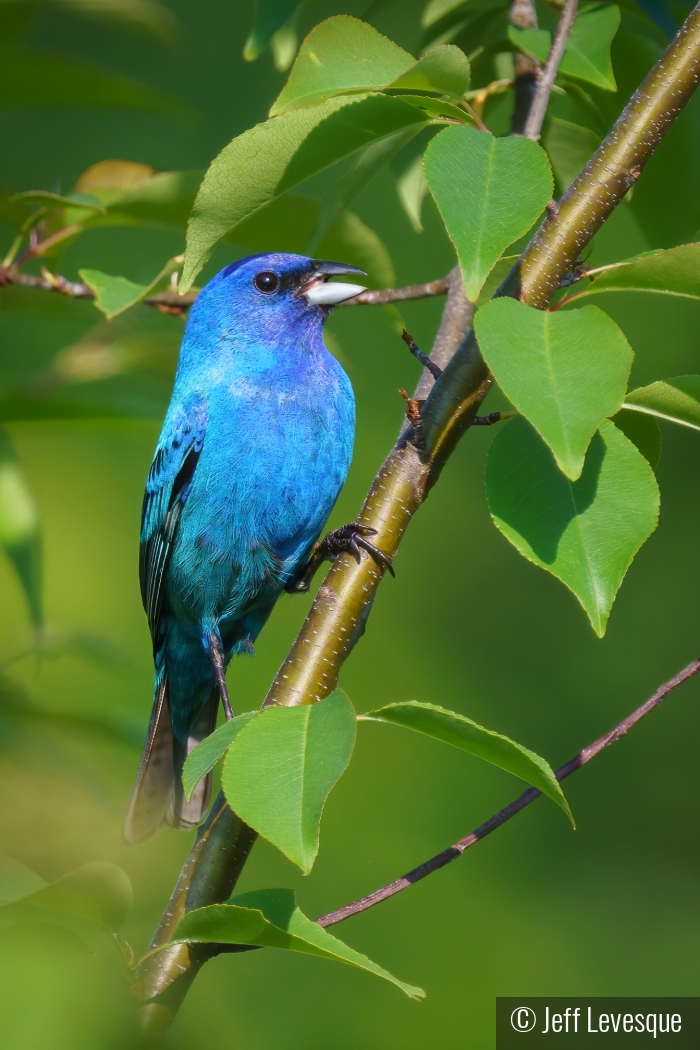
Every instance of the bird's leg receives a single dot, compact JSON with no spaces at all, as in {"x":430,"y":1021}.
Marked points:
{"x":351,"y":538}
{"x":216,"y":655}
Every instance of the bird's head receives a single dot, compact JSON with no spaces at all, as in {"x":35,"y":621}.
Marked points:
{"x":279,"y":286}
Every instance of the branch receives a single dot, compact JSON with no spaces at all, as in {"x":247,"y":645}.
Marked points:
{"x":523,"y":15}
{"x":533,"y":124}
{"x":338,"y":615}
{"x":452,"y":852}
{"x":172,"y":301}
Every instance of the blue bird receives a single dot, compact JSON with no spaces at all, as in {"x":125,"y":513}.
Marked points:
{"x":254,"y":450}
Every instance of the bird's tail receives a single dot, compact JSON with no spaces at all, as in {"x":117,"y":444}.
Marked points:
{"x":158,"y":796}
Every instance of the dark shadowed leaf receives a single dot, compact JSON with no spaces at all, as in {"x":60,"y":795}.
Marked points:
{"x":270,"y":16}
{"x":643,"y":431}
{"x":565,"y":371}
{"x":19,"y":526}
{"x":461,"y":732}
{"x":271,"y":919}
{"x":569,"y":147}
{"x":676,"y":399}
{"x":281,"y":767}
{"x":489,"y":191}
{"x":585,"y":532}
{"x":351,"y":240}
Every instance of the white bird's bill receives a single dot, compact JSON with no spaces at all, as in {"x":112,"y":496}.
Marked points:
{"x":322,"y":294}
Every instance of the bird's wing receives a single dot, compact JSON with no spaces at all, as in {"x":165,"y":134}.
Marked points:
{"x":167,"y":488}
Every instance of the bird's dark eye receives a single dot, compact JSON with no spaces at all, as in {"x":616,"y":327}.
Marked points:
{"x":267,"y":282}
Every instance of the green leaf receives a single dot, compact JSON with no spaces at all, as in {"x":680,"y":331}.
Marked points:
{"x":270,"y":15}
{"x":676,"y":399}
{"x":16,"y":880}
{"x":285,"y":225}
{"x":412,"y":187}
{"x":565,"y":371}
{"x":569,"y":147}
{"x":266,"y":161}
{"x":443,"y":69}
{"x":675,"y":271}
{"x":437,"y":108}
{"x":205,"y":755}
{"x":489,"y":191}
{"x":461,"y":732}
{"x":56,"y":200}
{"x":165,"y":200}
{"x":146,"y":14}
{"x":19,"y":526}
{"x":271,"y":919}
{"x":351,"y":240}
{"x":585,"y":532}
{"x":99,"y":893}
{"x":341,"y":56}
{"x":29,"y":80}
{"x":587,"y":55}
{"x":533,"y":42}
{"x":281,"y":768}
{"x":643,"y":431}
{"x":114,"y":295}
{"x":437,"y":9}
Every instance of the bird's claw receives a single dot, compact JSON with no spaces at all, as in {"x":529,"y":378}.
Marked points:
{"x":352,"y":538}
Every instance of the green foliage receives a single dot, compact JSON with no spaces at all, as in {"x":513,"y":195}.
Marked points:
{"x":587,"y":54}
{"x":97,"y":893}
{"x":643,"y":431}
{"x":675,"y":271}
{"x":270,"y":16}
{"x":584,"y":532}
{"x":19,"y":526}
{"x":489,"y":191}
{"x":462,"y":732}
{"x":569,"y":147}
{"x":281,"y":767}
{"x":271,"y":919}
{"x":564,"y":371}
{"x":261,"y":164}
{"x":205,"y":755}
{"x":676,"y":399}
{"x":114,"y":295}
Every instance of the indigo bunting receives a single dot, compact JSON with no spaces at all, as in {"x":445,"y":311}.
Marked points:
{"x":255,"y":447}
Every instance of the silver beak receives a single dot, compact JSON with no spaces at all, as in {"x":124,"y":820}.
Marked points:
{"x":319,"y":293}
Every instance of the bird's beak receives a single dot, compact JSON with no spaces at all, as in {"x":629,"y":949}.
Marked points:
{"x":319,"y":293}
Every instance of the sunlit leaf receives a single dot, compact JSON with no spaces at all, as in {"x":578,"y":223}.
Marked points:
{"x":587,"y":54}
{"x":676,"y":399}
{"x":585,"y":532}
{"x":99,"y":893}
{"x":340,"y":56}
{"x":271,"y":919}
{"x":19,"y":526}
{"x":270,"y":16}
{"x":266,"y":161}
{"x":489,"y":191}
{"x":462,"y":732}
{"x":675,"y":271}
{"x":565,"y":371}
{"x":205,"y":755}
{"x":443,"y":69}
{"x":114,"y":295}
{"x":281,"y":767}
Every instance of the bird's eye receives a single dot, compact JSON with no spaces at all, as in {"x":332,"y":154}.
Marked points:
{"x":266,"y":282}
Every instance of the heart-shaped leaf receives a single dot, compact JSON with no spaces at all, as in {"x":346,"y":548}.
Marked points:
{"x":489,"y":192}
{"x":565,"y":371}
{"x":281,"y":767}
{"x":339,"y":56}
{"x":584,"y":532}
{"x":266,"y":161}
{"x":443,"y":69}
{"x":271,"y":919}
{"x":461,"y":732}
{"x":676,"y":399}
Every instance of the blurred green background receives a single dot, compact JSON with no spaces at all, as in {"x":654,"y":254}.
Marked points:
{"x":610,"y":909}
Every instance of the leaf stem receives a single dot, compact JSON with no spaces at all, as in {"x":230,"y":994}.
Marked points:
{"x":545,"y":80}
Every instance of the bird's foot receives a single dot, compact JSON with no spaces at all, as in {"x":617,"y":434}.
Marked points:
{"x":350,"y":539}
{"x":216,"y":655}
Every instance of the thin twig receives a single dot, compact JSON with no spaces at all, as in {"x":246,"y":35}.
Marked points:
{"x":452,"y":852}
{"x":533,"y":124}
{"x":522,"y":14}
{"x":398,"y":295}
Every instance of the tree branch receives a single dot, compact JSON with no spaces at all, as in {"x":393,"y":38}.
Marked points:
{"x":533,"y":124}
{"x":523,"y":15}
{"x":504,"y":815}
{"x":342,"y":605}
